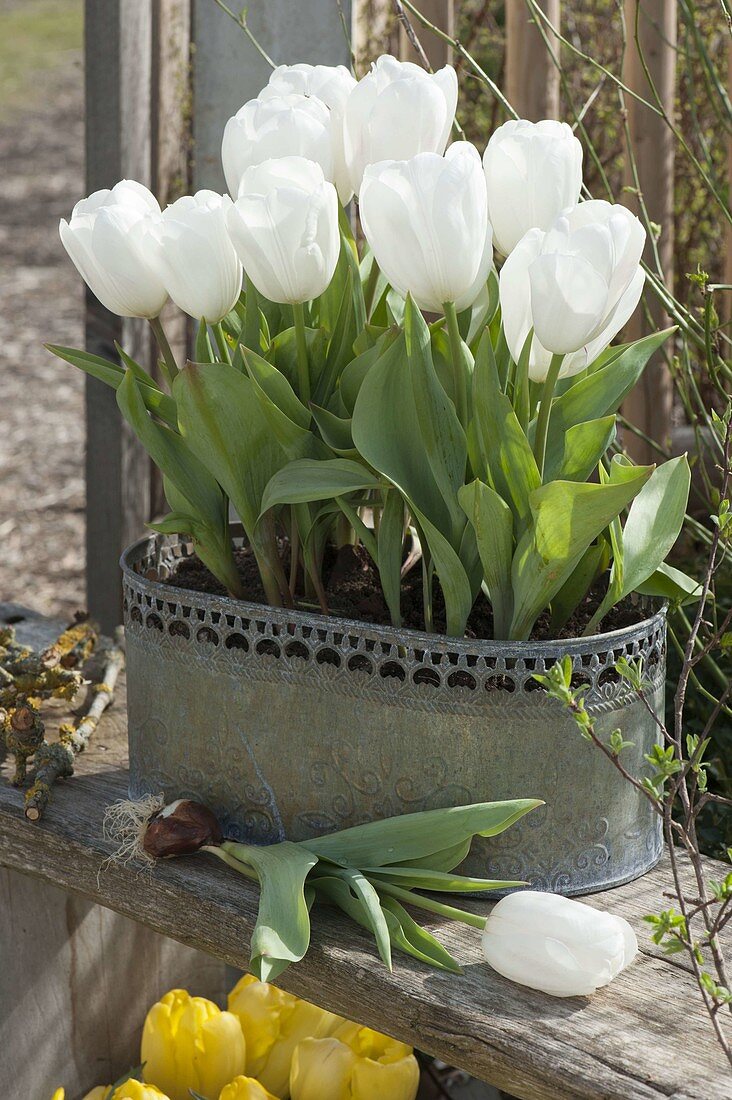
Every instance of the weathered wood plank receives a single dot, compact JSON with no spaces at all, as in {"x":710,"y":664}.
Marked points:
{"x":644,"y":1037}
{"x":227,"y":70}
{"x":117,"y":57}
{"x":532,"y":78}
{"x":650,"y":405}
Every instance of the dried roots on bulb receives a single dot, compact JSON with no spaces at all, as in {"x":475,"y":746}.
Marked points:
{"x":147,"y":829}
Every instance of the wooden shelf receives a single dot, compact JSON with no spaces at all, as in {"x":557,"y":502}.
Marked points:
{"x":644,"y":1037}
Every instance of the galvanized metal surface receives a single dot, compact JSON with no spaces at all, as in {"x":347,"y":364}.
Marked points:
{"x":292,"y":724}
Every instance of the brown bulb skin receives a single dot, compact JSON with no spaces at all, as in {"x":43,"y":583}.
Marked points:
{"x":181,"y":828}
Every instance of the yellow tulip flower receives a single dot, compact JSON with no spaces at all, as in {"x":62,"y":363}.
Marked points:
{"x":130,"y":1090}
{"x":245,"y":1088}
{"x":60,"y":1094}
{"x":355,"y":1063}
{"x":274,"y":1022}
{"x":189,"y":1043}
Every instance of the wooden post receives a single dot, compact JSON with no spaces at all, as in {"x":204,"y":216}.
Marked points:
{"x":650,"y":405}
{"x":532,"y":79}
{"x":442,"y":14}
{"x":118,"y":59}
{"x":228,"y":70}
{"x":75,"y":986}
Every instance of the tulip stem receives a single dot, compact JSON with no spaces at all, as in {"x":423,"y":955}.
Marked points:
{"x":230,"y":860}
{"x":220,"y":335}
{"x":169,"y":365}
{"x":303,"y":369}
{"x":431,"y":905}
{"x":545,"y":405}
{"x":458,"y":372}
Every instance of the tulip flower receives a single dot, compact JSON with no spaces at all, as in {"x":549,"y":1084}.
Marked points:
{"x":533,"y":171}
{"x":332,"y":85}
{"x":426,"y":220}
{"x":129,"y":1090}
{"x":560,"y":946}
{"x":273,"y":1023}
{"x":195,"y":258}
{"x":273,"y":126}
{"x":356,"y":1063}
{"x":245,"y":1088}
{"x":396,"y":111}
{"x":107,"y":243}
{"x":189,"y":1043}
{"x":575,"y":285}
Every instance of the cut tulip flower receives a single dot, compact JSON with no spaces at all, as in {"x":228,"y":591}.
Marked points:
{"x":554,"y":944}
{"x":107,"y":242}
{"x":189,"y":1043}
{"x":356,"y":1063}
{"x":274,"y":1022}
{"x":533,"y":172}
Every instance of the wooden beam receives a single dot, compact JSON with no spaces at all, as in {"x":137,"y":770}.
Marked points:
{"x":228,"y":70}
{"x":441,"y":13}
{"x":649,"y":407}
{"x":532,"y":79}
{"x":118,"y":60}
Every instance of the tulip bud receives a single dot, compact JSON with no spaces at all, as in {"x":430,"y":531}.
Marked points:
{"x":533,"y":171}
{"x":273,"y":1023}
{"x":396,"y":111}
{"x":356,"y":1063}
{"x":107,"y":243}
{"x":189,"y":1043}
{"x":332,"y":85}
{"x":555,"y":944}
{"x":179,"y":828}
{"x":130,"y":1090}
{"x":195,"y":258}
{"x":273,"y":126}
{"x":60,"y":1094}
{"x":245,"y":1088}
{"x":284,"y":226}
{"x":576,"y":285}
{"x":426,"y":220}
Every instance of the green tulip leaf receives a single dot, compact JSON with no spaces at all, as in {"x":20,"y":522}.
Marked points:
{"x":390,"y":551}
{"x":414,"y":836}
{"x":335,"y":431}
{"x":309,"y":480}
{"x":422,"y":878}
{"x":414,"y":940}
{"x":112,"y":374}
{"x":584,"y":445}
{"x":671,"y":584}
{"x":566,"y":517}
{"x":492,"y":522}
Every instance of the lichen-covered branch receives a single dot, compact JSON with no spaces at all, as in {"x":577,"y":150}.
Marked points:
{"x":55,"y":760}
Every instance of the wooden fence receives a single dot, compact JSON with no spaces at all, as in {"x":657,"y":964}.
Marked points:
{"x":161,"y":80}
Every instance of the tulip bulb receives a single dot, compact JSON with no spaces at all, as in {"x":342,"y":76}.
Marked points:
{"x":179,"y":828}
{"x":554,"y":944}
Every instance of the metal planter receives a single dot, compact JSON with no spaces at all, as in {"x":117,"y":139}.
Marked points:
{"x":290,"y":724}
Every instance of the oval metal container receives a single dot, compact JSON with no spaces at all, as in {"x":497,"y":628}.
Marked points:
{"x":290,"y":724}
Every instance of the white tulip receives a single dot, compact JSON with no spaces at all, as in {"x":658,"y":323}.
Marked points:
{"x":284,"y":226}
{"x":576,"y":285}
{"x":332,"y":85}
{"x":396,"y":111}
{"x":426,"y":221}
{"x":533,"y":171}
{"x":277,"y":125}
{"x":560,"y":946}
{"x":106,"y":242}
{"x":195,"y":257}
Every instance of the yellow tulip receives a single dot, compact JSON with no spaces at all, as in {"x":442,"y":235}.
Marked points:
{"x":189,"y":1043}
{"x":101,"y":1092}
{"x":245,"y":1088}
{"x":60,"y":1094}
{"x":274,"y":1022}
{"x":130,"y":1090}
{"x":355,"y":1063}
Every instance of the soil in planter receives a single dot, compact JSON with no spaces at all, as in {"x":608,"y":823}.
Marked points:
{"x":354,"y":591}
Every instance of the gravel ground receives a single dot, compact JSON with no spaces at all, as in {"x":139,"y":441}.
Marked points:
{"x":41,"y":399}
